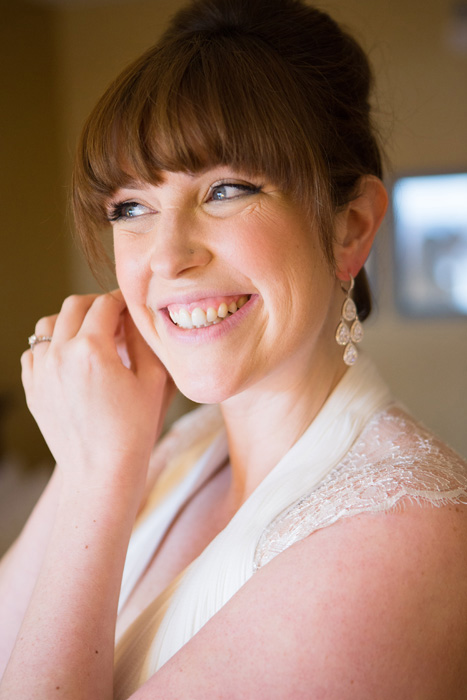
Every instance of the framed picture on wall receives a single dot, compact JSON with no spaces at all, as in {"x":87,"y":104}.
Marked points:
{"x":430,"y":238}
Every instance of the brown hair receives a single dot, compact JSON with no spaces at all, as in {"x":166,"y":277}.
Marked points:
{"x":273,"y":87}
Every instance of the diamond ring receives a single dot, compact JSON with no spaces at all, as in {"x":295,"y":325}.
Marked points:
{"x":35,"y":339}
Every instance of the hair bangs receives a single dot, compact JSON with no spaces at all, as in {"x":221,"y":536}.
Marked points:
{"x":212,"y":103}
{"x":216,"y":100}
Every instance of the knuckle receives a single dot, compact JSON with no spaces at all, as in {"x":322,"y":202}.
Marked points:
{"x":71,"y":302}
{"x":108,"y":299}
{"x":42,"y":322}
{"x":100,"y":301}
{"x":86,"y":349}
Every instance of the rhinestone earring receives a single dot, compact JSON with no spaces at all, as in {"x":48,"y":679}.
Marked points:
{"x":353,"y":335}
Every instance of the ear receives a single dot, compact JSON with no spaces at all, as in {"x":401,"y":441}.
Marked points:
{"x":357,"y":225}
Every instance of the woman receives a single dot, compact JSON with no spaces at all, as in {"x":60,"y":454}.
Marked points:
{"x":238,"y":167}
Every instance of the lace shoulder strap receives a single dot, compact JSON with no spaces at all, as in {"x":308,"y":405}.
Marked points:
{"x":394,"y":458}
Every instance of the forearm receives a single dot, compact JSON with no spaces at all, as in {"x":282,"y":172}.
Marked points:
{"x":99,"y":417}
{"x":67,"y":637}
{"x":20,"y":567}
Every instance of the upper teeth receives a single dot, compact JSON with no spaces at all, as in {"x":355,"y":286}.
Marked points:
{"x":199,"y":318}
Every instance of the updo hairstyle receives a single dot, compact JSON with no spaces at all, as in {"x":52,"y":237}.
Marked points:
{"x":269,"y":87}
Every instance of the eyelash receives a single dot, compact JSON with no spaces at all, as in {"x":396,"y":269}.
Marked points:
{"x":117,"y":209}
{"x":249,"y":189}
{"x":116,"y":212}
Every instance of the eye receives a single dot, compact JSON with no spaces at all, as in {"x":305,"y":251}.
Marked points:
{"x":231,"y":190}
{"x":132,"y":217}
{"x":128,"y":211}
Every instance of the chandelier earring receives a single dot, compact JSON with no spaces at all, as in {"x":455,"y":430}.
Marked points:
{"x":349,"y":331}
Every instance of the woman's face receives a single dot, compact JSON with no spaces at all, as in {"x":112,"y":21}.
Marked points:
{"x":226,"y":280}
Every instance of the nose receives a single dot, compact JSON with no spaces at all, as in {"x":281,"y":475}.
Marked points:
{"x":179,"y":246}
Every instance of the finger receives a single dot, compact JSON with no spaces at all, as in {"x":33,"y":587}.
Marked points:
{"x":104,"y":316}
{"x":26,"y":368}
{"x":43,"y":332}
{"x":120,"y":342}
{"x":72,"y":315}
{"x":141,"y":355}
{"x":45,"y":326}
{"x":44,"y":329}
{"x":117,"y":294}
{"x":40,"y":345}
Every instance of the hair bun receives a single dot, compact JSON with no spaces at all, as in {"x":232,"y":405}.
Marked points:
{"x":223,"y":17}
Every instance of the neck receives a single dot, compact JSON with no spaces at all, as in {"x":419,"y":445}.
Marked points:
{"x":265,"y":421}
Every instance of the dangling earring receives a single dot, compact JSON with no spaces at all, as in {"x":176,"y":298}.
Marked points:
{"x":345,"y":335}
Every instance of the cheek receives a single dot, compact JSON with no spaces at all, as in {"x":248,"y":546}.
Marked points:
{"x":134,"y":277}
{"x":253,"y":246}
{"x":283,"y":257}
{"x":130,"y":275}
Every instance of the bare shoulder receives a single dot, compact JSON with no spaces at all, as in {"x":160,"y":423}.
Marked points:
{"x":374,"y":606}
{"x":394,"y":590}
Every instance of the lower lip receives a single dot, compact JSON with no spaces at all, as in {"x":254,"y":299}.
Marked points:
{"x":207,"y":333}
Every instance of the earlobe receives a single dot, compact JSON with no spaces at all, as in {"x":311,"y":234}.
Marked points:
{"x":357,"y":225}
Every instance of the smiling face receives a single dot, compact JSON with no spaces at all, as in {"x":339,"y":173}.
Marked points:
{"x":226,"y":280}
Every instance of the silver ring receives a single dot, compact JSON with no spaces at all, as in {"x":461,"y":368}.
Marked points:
{"x":35,"y":339}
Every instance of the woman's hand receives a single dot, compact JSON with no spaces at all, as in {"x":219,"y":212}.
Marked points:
{"x":97,"y":391}
{"x":98,"y":394}
{"x":68,"y":392}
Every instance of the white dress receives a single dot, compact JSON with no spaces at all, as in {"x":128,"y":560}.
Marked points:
{"x":361,"y":454}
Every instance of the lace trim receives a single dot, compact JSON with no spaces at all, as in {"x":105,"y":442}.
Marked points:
{"x":394,"y":458}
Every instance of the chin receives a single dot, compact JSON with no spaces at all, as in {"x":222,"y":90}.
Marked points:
{"x":201,"y":389}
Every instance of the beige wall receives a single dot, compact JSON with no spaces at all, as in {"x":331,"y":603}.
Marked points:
{"x":422,"y":103}
{"x":34,"y":272}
